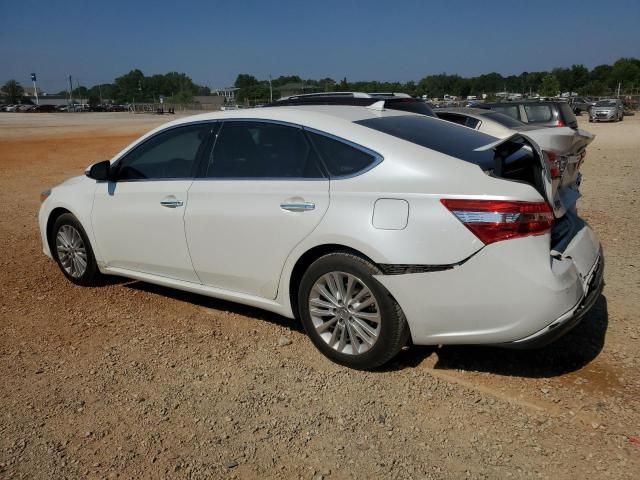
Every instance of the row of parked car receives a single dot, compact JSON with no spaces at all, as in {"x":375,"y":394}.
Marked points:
{"x":62,"y":108}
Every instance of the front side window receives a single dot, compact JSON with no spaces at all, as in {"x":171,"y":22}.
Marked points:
{"x":253,"y":149}
{"x":168,"y":155}
{"x":342,"y":159}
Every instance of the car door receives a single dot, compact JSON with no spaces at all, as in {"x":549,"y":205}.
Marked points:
{"x":138,"y":216}
{"x":262,"y":192}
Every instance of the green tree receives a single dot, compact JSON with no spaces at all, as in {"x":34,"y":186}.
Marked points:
{"x":13,"y":91}
{"x":343,"y":86}
{"x":130,"y":87}
{"x":626,"y":72}
{"x":550,"y":86}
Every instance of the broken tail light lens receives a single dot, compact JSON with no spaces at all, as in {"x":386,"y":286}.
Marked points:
{"x":496,"y":220}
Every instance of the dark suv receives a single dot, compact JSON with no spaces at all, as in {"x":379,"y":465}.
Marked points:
{"x":392,"y":101}
{"x":543,"y":113}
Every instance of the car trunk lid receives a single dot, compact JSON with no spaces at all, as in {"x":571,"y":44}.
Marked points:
{"x":527,"y":157}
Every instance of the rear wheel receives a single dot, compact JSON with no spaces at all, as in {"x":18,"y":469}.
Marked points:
{"x":72,"y":251}
{"x":349,"y":316}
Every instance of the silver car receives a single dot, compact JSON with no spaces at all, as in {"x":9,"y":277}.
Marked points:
{"x":609,"y":110}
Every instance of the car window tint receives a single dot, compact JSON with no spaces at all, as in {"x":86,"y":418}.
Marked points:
{"x":169,"y":154}
{"x":444,"y":137}
{"x":340,"y":158}
{"x":262,"y":150}
{"x":538,"y":113}
{"x":471,"y":122}
{"x":453,"y":117}
{"x":511,"y":110}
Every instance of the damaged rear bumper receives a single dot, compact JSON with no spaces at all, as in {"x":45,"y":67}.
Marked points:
{"x":569,"y":320}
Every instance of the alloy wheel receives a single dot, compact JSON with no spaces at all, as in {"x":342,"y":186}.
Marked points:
{"x":72,"y":252}
{"x":345,"y":313}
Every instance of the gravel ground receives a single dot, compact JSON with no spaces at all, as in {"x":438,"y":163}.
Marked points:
{"x":131,"y":380}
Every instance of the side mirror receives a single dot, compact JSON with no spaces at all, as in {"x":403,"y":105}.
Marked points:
{"x":99,"y":171}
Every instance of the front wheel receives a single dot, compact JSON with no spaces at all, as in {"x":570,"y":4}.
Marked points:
{"x":349,"y":316}
{"x":72,"y":251}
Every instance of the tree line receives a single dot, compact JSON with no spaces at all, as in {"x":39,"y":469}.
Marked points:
{"x":179,"y":88}
{"x":131,"y":87}
{"x":599,"y":81}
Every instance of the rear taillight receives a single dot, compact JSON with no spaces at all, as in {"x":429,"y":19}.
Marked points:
{"x":556,"y":163}
{"x":561,"y":124}
{"x":495,"y":220}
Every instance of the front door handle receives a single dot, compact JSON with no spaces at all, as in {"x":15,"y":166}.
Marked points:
{"x":172,"y":203}
{"x":298,"y":206}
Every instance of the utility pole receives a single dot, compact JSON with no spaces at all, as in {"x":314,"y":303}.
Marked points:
{"x":35,"y":88}
{"x":78,"y":87}
{"x":270,"y":90}
{"x":70,"y":91}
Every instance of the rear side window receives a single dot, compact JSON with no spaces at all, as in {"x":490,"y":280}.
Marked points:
{"x":459,"y":119}
{"x":538,"y":113}
{"x":471,"y":122}
{"x":262,"y":150}
{"x":411,"y":106}
{"x":452,"y":117}
{"x":510,"y":110}
{"x":340,"y":158}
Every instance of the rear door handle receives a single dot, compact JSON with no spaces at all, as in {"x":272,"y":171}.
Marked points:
{"x":298,"y":206}
{"x":172,"y":203}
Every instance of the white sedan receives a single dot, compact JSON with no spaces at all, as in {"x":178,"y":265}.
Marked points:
{"x":372,"y":226}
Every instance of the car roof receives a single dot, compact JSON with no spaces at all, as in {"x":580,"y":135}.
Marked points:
{"x":300,"y":114}
{"x":334,"y":119}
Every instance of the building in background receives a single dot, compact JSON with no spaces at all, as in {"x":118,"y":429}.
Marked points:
{"x":228,"y":93}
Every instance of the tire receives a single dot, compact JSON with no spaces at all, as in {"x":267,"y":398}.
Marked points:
{"x":69,"y":236}
{"x":335,"y":328}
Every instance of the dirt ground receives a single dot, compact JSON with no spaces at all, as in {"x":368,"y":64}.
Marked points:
{"x":130,"y":380}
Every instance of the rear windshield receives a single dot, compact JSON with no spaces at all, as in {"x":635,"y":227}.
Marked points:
{"x":503,"y":119}
{"x":439,"y":135}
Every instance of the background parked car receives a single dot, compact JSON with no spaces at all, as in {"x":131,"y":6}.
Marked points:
{"x":581,"y":104}
{"x":609,"y":110}
{"x":44,"y":109}
{"x":392,"y":101}
{"x":544,"y":114}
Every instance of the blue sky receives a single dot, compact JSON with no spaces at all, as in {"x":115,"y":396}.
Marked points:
{"x":212,"y":41}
